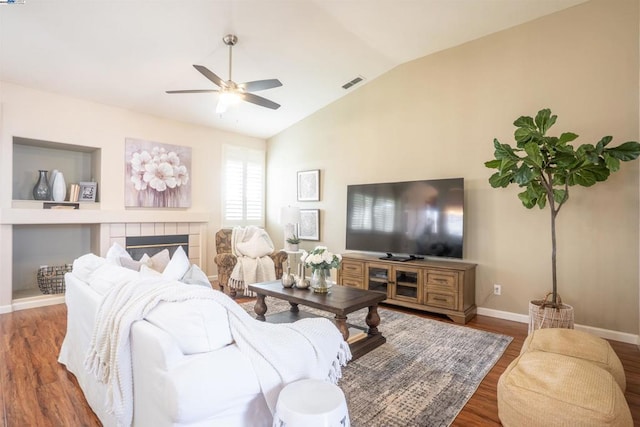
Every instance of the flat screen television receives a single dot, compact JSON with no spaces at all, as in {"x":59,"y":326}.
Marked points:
{"x":407,"y":220}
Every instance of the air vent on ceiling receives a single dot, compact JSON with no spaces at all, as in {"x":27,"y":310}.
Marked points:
{"x":352,"y":82}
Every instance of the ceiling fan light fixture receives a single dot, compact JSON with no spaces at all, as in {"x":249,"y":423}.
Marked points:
{"x":227,"y":98}
{"x":230,"y":91}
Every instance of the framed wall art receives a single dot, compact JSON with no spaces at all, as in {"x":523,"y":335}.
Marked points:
{"x":156,"y":175}
{"x":88,"y":191}
{"x":309,"y":186}
{"x":309,"y":227}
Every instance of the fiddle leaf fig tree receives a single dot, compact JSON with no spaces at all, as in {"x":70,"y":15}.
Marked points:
{"x":546,"y":166}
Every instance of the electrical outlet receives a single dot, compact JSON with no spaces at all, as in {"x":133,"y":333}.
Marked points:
{"x":497,"y":289}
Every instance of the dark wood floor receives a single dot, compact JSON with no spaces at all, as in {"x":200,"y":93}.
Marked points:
{"x":37,"y":391}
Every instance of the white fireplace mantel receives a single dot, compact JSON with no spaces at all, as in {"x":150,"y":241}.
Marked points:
{"x":98,"y":216}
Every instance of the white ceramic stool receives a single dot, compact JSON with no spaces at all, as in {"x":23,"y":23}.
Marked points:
{"x":311,"y":403}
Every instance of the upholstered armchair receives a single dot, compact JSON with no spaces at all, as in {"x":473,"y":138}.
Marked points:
{"x":225,"y":260}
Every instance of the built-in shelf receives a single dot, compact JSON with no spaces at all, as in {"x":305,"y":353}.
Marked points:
{"x":47,"y":245}
{"x":27,"y":293}
{"x":77,"y":163}
{"x":39,"y":204}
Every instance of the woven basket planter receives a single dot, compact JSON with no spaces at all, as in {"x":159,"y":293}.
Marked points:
{"x":543,"y":315}
{"x":51,"y":278}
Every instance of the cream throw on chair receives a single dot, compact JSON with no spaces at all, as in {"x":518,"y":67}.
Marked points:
{"x":252,"y":246}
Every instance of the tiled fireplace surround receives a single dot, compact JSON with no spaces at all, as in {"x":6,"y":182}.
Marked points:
{"x":117,"y":233}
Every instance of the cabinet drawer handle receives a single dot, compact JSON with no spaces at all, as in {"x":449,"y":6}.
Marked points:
{"x":441,"y":280}
{"x":440,"y":299}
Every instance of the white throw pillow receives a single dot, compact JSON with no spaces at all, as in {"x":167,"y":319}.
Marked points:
{"x":255,"y":243}
{"x":147,"y":271}
{"x":85,"y":265}
{"x":131,"y":264}
{"x":195,"y":276}
{"x":159,"y":261}
{"x":108,"y":275}
{"x":198,"y":326}
{"x":115,"y":252}
{"x":177,"y":266}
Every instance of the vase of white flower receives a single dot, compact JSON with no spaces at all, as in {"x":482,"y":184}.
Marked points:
{"x":321,"y":261}
{"x":319,"y":282}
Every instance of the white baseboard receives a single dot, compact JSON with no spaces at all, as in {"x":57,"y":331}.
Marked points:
{"x":611,"y":335}
{"x":39,"y":301}
{"x":5,"y":309}
{"x":603,"y":333}
{"x":506,"y":315}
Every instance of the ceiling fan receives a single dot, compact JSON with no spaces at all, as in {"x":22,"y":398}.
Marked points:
{"x":232,"y":92}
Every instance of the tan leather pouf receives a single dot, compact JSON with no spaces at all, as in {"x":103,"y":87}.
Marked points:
{"x":547,"y":389}
{"x":578,"y":344}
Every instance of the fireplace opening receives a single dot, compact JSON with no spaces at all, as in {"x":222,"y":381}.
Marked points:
{"x":139,"y":245}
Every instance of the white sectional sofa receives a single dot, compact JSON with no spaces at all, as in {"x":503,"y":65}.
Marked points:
{"x":187,"y":369}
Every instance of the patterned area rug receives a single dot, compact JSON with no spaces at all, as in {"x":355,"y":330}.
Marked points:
{"x":422,"y":376}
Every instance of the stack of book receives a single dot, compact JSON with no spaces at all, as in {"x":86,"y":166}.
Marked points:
{"x":74,"y":192}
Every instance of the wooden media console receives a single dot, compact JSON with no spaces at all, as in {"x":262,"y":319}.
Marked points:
{"x":445,"y":287}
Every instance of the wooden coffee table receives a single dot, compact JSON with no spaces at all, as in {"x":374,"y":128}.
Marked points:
{"x":341,"y":300}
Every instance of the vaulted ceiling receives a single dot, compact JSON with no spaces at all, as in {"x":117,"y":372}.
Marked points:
{"x":127,"y":53}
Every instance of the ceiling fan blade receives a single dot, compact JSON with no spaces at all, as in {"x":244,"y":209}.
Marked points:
{"x":193,"y":91}
{"x":260,"y":85}
{"x":210,"y":75}
{"x":258,"y":100}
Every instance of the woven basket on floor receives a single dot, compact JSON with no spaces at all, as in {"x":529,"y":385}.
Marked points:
{"x":543,"y":315}
{"x":51,"y":278}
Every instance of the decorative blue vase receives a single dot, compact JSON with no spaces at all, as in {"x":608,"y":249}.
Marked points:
{"x":42,"y":191}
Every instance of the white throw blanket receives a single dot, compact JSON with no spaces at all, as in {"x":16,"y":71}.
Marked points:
{"x":279,"y":353}
{"x":251,"y":246}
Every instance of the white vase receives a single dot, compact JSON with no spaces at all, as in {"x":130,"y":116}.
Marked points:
{"x":59,"y":188}
{"x":52,"y":177}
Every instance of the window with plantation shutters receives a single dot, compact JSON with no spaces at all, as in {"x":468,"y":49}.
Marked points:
{"x":242,"y":186}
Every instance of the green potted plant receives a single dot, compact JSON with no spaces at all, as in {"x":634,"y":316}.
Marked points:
{"x":293,"y":242}
{"x":547,"y":166}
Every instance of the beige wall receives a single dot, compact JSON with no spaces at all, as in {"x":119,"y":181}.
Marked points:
{"x":436,"y":117}
{"x":45,"y":116}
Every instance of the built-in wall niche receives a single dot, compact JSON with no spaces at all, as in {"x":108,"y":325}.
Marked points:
{"x":77,"y":163}
{"x":50,"y":244}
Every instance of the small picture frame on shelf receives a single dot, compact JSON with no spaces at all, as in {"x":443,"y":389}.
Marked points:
{"x":309,"y":224}
{"x":309,"y":186}
{"x":88,"y":191}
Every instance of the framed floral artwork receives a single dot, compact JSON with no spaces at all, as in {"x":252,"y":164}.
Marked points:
{"x":309,"y":227}
{"x":157,"y":175}
{"x":309,"y":186}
